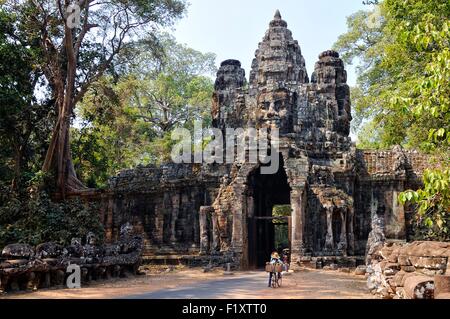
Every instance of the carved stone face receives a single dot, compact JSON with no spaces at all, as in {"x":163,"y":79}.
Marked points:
{"x":91,"y":239}
{"x":126,"y":230}
{"x":275,"y":109}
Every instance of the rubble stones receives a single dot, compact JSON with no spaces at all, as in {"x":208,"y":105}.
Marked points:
{"x":413,"y":281}
{"x":419,"y":287}
{"x":408,"y":268}
{"x":48,"y":250}
{"x":442,"y":286}
{"x":334,"y":267}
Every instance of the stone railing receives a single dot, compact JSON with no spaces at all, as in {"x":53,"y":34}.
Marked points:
{"x":23,"y":267}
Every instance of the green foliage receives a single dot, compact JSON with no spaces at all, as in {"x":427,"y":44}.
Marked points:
{"x":402,"y":91}
{"x":25,"y":121}
{"x":34,"y":218}
{"x":106,"y":137}
{"x":280,"y":227}
{"x":128,"y":120}
{"x":427,"y":95}
{"x":433,"y":205}
{"x":176,"y":92}
{"x":282,"y":211}
{"x":37,"y":68}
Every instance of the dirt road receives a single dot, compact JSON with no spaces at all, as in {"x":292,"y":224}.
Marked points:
{"x":193,"y":284}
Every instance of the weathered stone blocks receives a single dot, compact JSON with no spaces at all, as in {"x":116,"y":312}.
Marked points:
{"x":413,"y":275}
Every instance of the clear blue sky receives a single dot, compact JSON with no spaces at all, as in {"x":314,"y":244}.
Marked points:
{"x":233,"y":28}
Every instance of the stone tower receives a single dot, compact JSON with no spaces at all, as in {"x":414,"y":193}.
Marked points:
{"x":279,"y":94}
{"x":223,"y":213}
{"x":229,"y":109}
{"x":316,"y":152}
{"x":277,"y":72}
{"x":324,"y":108}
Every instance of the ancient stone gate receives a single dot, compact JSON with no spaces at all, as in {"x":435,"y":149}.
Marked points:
{"x":221,"y":213}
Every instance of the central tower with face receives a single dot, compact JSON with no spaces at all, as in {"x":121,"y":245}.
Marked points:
{"x":278,"y":71}
{"x":313,"y":120}
{"x":316,"y":115}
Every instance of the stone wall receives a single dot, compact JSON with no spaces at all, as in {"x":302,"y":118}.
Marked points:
{"x":162,"y":203}
{"x":381,"y":177}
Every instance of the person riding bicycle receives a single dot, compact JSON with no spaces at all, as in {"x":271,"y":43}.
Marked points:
{"x":274,"y":259}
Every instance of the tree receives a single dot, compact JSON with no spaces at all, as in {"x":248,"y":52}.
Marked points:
{"x":393,"y":55}
{"x":127,"y":119}
{"x":433,"y":205}
{"x":177,"y":91}
{"x":107,"y":136}
{"x":25,"y":120}
{"x":403,"y":94}
{"x":428,"y":96}
{"x":77,"y":55}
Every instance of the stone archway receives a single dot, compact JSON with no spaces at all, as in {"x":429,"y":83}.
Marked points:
{"x":264,"y":192}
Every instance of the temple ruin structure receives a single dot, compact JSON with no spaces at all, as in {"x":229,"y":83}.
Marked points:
{"x":222,"y":213}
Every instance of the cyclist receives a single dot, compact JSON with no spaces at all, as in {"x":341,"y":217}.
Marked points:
{"x":274,"y":259}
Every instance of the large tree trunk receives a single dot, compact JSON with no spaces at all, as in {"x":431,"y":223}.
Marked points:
{"x":58,"y":158}
{"x":62,"y":76}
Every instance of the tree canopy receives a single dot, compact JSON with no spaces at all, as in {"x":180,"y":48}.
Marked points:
{"x":79,"y":42}
{"x":128,"y":121}
{"x":402,"y":48}
{"x":402,"y":93}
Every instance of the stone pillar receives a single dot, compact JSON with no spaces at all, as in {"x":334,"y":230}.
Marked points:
{"x":350,"y":231}
{"x":298,"y":220}
{"x":343,"y":238}
{"x":175,"y":210}
{"x":215,"y":242}
{"x":236,"y":237}
{"x":329,"y":240}
{"x":194,"y":218}
{"x":204,"y":229}
{"x":395,"y":222}
{"x":237,"y":240}
{"x":239,"y":226}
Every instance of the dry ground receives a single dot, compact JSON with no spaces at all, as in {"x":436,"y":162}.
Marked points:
{"x":193,"y":283}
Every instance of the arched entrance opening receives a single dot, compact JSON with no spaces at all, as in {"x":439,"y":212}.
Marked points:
{"x":266,"y":231}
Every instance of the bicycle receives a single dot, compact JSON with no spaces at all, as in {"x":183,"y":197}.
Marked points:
{"x":275,"y":272}
{"x":277,"y":280}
